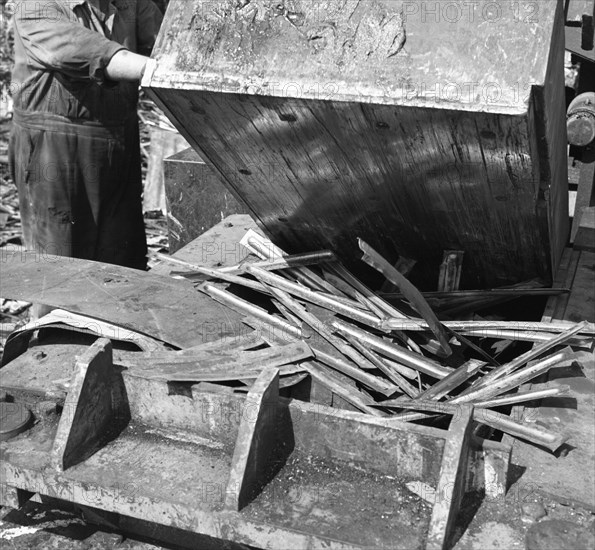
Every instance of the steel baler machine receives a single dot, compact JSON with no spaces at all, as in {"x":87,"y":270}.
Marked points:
{"x":331,"y":120}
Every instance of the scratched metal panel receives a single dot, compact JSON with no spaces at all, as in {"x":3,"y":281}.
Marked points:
{"x":161,"y":307}
{"x":334,"y":120}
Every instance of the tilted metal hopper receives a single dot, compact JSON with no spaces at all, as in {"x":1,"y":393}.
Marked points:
{"x":418,"y":126}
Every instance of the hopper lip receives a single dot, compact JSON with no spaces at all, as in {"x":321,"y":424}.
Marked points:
{"x":213,"y":83}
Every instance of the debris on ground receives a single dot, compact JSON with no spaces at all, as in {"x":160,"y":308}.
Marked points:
{"x":533,"y":511}
{"x":10,"y":219}
{"x":556,"y":534}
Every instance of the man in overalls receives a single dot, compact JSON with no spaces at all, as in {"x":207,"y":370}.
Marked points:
{"x":74,"y":148}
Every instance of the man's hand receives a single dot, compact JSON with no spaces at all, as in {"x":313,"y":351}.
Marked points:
{"x":126,"y":66}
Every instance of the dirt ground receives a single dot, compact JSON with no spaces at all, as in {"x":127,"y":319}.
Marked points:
{"x":508,"y":524}
{"x":41,"y":527}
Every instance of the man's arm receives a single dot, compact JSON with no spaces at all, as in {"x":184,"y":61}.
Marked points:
{"x":129,"y":66}
{"x":54,"y":41}
{"x":126,"y":66}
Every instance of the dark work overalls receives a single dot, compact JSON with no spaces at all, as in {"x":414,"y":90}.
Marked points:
{"x":74,"y":147}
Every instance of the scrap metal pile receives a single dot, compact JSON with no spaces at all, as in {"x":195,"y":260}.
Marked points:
{"x":383,"y":354}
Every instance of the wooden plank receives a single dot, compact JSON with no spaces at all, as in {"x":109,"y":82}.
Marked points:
{"x":451,"y":485}
{"x":581,"y":303}
{"x":585,"y":192}
{"x":556,"y":305}
{"x":548,"y":115}
{"x":585,"y":236}
{"x":572,"y":416}
{"x":256,"y":443}
{"x":89,"y":413}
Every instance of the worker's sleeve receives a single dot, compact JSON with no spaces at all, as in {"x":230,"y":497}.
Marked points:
{"x":55,"y":41}
{"x":149,"y":20}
